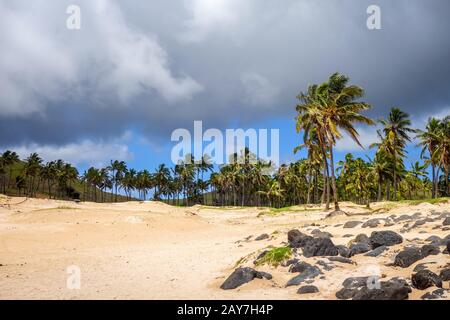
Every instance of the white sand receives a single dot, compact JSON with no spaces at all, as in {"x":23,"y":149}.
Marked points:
{"x":151,"y":250}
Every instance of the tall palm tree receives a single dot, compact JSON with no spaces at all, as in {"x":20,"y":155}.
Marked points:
{"x":162,"y":177}
{"x":9,"y":158}
{"x":442,"y":152}
{"x":396,"y":130}
{"x":330,"y":108}
{"x":31,"y":171}
{"x":429,"y":140}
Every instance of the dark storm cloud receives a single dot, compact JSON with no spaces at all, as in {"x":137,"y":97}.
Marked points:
{"x":156,"y":66}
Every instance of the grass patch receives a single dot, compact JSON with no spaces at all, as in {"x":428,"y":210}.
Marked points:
{"x":294,"y":209}
{"x":275,"y":256}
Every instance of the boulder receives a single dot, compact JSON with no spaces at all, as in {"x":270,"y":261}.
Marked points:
{"x":307,"y":289}
{"x":376,"y":252}
{"x":351,"y":224}
{"x":429,"y":249}
{"x":446,"y":221}
{"x":262,"y":237}
{"x":422,"y":266}
{"x":321,"y":234}
{"x":361,"y":288}
{"x":362,"y":238}
{"x":300,"y":267}
{"x":384,"y":238}
{"x":319,"y":247}
{"x":436,"y":294}
{"x":309,"y":273}
{"x":425,"y":279}
{"x":343,"y":251}
{"x":445,"y":274}
{"x":372,"y":223}
{"x":394,"y":289}
{"x":358,"y":248}
{"x":297,"y":239}
{"x":407,"y":257}
{"x":434,"y":240}
{"x":241,"y":276}
{"x":341,"y":260}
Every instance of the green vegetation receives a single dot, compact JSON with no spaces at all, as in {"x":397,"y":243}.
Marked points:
{"x":275,"y":256}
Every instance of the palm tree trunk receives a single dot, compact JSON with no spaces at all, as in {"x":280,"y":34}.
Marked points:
{"x":333,"y":180}
{"x":395,"y":177}
{"x":433,"y":178}
{"x":379,"y":191}
{"x":388,"y":190}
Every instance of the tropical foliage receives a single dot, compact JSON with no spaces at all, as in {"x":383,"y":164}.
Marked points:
{"x":325,"y":112}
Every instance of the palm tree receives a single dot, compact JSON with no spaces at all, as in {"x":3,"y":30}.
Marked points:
{"x":162,"y":177}
{"x":442,"y":152}
{"x":118,"y":169}
{"x":31,"y":171}
{"x":341,"y":111}
{"x":396,"y":129}
{"x":429,"y":140}
{"x":329,"y":108}
{"x":9,"y":158}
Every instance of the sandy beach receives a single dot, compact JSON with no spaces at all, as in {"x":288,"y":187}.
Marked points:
{"x":150,"y":250}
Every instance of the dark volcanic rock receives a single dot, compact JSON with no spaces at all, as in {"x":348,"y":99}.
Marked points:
{"x":436,"y":294}
{"x":347,"y":235}
{"x":321,"y":234}
{"x":289,"y":262}
{"x":241,"y":276}
{"x":309,"y":273}
{"x":341,"y":260}
{"x":326,"y":266}
{"x":434,"y":240}
{"x":425,"y":279}
{"x":300,"y":267}
{"x":372,"y":223}
{"x":376,"y":252}
{"x":358,"y":248}
{"x":384,"y":238}
{"x":362,"y":288}
{"x":429,"y":249}
{"x":351,"y":224}
{"x":407,"y":257}
{"x":355,"y":282}
{"x":422,"y":266}
{"x":297,"y":239}
{"x":343,"y":251}
{"x":262,"y":237}
{"x":362,"y":238}
{"x":319,"y":247}
{"x":403,"y":217}
{"x":394,"y":289}
{"x":307,"y":289}
{"x":445,"y":274}
{"x":446,"y":221}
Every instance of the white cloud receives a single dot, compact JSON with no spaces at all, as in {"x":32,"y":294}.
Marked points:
{"x":41,"y":61}
{"x":85,"y":153}
{"x":208,"y":16}
{"x":367,"y":136}
{"x":258,"y":89}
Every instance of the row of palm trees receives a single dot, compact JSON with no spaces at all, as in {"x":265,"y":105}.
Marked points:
{"x":327,"y":110}
{"x":324,"y":113}
{"x":55,"y":178}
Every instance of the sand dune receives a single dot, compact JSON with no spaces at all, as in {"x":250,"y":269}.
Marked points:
{"x":150,"y":250}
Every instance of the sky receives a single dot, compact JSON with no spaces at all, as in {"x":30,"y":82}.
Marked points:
{"x":137,"y":70}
